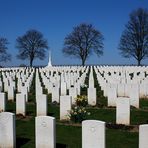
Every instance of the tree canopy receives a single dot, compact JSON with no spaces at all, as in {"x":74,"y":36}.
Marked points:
{"x":31,"y":45}
{"x":134,"y":39}
{"x":83,"y":41}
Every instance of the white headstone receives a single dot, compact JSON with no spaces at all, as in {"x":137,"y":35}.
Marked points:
{"x":25,"y":92}
{"x":7,"y":130}
{"x":91,"y":92}
{"x":1,"y":86}
{"x":91,"y":80}
{"x":45,"y":132}
{"x":77,"y":85}
{"x":10,"y":93}
{"x":142,"y":90}
{"x":20,"y":104}
{"x":134,"y":96}
{"x":39,"y":91}
{"x":55,"y":94}
{"x":2,"y":102}
{"x":121,"y":90}
{"x":123,"y":111}
{"x":112,"y":96}
{"x":63,"y":89}
{"x":104,"y":87}
{"x":42,"y":105}
{"x":73,"y":94}
{"x":19,"y":85}
{"x":127,"y":90}
{"x":5,"y":85}
{"x":93,"y":134}
{"x":65,"y":107}
{"x":143,"y":136}
{"x":50,"y":87}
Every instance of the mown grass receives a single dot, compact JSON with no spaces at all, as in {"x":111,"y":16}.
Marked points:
{"x":121,"y":139}
{"x":144,"y":104}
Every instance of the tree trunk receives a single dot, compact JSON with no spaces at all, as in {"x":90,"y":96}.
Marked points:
{"x":31,"y":61}
{"x":139,"y":62}
{"x":83,"y":62}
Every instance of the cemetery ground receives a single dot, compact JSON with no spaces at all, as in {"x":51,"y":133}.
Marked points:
{"x":69,"y":134}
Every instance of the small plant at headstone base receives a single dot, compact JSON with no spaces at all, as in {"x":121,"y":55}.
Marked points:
{"x":78,"y":113}
{"x":81,"y":100}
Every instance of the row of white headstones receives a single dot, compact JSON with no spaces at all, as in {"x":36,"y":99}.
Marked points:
{"x":122,"y":90}
{"x":8,"y":84}
{"x":113,"y":91}
{"x":121,"y":84}
{"x":93,"y":132}
{"x":58,"y":85}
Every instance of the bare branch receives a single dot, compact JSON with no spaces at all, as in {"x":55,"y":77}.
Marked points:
{"x":134,"y":39}
{"x":82,"y":41}
{"x":31,"y":45}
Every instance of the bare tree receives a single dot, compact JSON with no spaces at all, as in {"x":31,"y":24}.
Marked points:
{"x":134,"y":39}
{"x":82,"y":41}
{"x":31,"y":45}
{"x":4,"y":56}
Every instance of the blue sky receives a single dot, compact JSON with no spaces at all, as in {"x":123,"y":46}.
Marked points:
{"x":56,"y":18}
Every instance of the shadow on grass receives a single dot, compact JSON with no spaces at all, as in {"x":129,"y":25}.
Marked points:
{"x":29,"y":113}
{"x":20,"y":141}
{"x":59,"y":145}
{"x":50,"y":114}
{"x":10,"y":110}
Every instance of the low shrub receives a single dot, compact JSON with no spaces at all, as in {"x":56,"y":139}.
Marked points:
{"x":78,"y":113}
{"x":81,"y":100}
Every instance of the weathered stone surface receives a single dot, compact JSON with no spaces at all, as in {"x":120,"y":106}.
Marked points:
{"x":91,"y":96}
{"x":134,"y":96}
{"x":42,"y":105}
{"x":112,"y":96}
{"x":93,"y":134}
{"x":7,"y":130}
{"x":143,"y":136}
{"x":45,"y":132}
{"x":63,"y":88}
{"x":73,"y":94}
{"x":123,"y":111}
{"x":2,"y":102}
{"x":65,"y":107}
{"x":56,"y":94}
{"x":20,"y":104}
